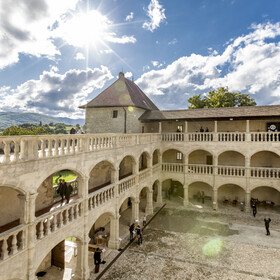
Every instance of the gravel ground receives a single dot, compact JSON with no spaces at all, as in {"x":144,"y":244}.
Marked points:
{"x":183,"y":243}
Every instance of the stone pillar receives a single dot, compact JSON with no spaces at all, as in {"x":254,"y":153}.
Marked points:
{"x":82,"y":268}
{"x":248,"y":138}
{"x":135,"y":210}
{"x":159,"y":127}
{"x":215,"y":136}
{"x":186,"y":129}
{"x":24,"y":208}
{"x":114,"y":175}
{"x":186,"y":195}
{"x":215,"y":165}
{"x":159,"y":192}
{"x":149,"y":205}
{"x":114,"y":242}
{"x":247,"y":201}
{"x":215,"y":199}
{"x":31,"y":237}
{"x":83,"y":183}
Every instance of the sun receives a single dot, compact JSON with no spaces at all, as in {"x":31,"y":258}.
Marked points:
{"x":86,"y":29}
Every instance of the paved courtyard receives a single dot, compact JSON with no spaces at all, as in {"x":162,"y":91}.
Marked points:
{"x":184,"y":243}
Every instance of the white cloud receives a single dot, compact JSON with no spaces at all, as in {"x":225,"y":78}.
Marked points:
{"x":80,"y":56}
{"x":154,"y":63}
{"x":120,"y":40}
{"x":173,"y":42}
{"x":55,"y":94}
{"x":128,"y":74}
{"x":129,"y":17}
{"x":26,"y":30}
{"x":249,"y":63}
{"x":107,"y":51}
{"x":156,"y":14}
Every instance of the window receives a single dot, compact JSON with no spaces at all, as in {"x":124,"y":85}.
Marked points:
{"x":115,"y":114}
{"x":179,"y":156}
{"x":179,"y":128}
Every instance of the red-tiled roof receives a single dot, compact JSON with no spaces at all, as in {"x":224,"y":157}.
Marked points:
{"x":122,"y":93}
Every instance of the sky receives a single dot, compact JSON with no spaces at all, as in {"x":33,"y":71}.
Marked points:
{"x":56,"y":55}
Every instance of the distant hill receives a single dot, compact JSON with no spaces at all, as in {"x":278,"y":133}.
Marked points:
{"x":13,"y":118}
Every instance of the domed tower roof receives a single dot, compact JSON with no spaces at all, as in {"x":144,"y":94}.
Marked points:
{"x":122,"y":93}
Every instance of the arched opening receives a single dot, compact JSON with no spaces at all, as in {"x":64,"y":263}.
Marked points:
{"x":126,"y":167}
{"x":265,"y":159}
{"x":56,"y":190}
{"x":100,"y":176}
{"x":267,"y":198}
{"x":231,"y":158}
{"x":156,"y":156}
{"x":231,"y":195}
{"x":172,"y":156}
{"x":155,"y":190}
{"x":12,"y":208}
{"x":63,"y":261}
{"x":173,"y":191}
{"x":200,"y":193}
{"x":143,"y":161}
{"x":200,"y":157}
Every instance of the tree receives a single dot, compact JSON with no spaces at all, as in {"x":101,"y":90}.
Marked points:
{"x":221,"y":98}
{"x":17,"y":130}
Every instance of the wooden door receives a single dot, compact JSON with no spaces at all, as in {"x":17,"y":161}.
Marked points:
{"x":58,"y":255}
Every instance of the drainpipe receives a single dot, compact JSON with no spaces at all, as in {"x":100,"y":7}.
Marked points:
{"x":124,"y":119}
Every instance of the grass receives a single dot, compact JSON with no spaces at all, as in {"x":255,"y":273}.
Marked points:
{"x":67,"y":175}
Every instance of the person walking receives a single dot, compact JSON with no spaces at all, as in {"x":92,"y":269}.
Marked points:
{"x":131,"y":229}
{"x":68,"y":191}
{"x":266,"y":224}
{"x":139,"y":235}
{"x":61,"y":189}
{"x":97,"y":260}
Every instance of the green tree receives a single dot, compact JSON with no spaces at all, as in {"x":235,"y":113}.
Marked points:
{"x":221,"y":98}
{"x":18,"y":130}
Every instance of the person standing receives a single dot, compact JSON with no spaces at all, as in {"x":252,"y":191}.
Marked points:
{"x":266,"y":224}
{"x":68,"y":191}
{"x":61,"y":189}
{"x":131,"y":229}
{"x":97,"y":260}
{"x":139,"y":235}
{"x":144,"y":220}
{"x":254,"y":207}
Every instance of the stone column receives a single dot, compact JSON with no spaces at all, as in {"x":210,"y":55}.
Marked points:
{"x":247,"y":201}
{"x":186,"y":130}
{"x":159,"y":127}
{"x":149,"y":205}
{"x":82,"y":268}
{"x":83,"y":183}
{"x":215,"y":199}
{"x":159,"y":192}
{"x":24,"y":208}
{"x":186,"y":194}
{"x":31,"y":237}
{"x":135,"y":210}
{"x":248,"y":138}
{"x":114,"y":242}
{"x":215,"y":138}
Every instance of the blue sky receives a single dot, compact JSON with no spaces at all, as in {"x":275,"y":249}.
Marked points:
{"x":57,"y":55}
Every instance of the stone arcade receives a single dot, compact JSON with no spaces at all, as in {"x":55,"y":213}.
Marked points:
{"x":141,"y":154}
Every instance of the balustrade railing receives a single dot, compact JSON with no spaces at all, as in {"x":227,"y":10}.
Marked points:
{"x":265,"y":136}
{"x":101,"y":196}
{"x":200,"y":169}
{"x":143,"y":175}
{"x":12,"y":242}
{"x":259,"y":172}
{"x":200,"y":137}
{"x":231,"y":171}
{"x":51,"y":221}
{"x":126,"y":183}
{"x":231,"y":136}
{"x":172,"y":167}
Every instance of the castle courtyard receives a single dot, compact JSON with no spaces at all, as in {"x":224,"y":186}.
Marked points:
{"x":198,"y":243}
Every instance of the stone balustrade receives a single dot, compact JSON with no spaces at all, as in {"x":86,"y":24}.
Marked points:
{"x":260,"y":172}
{"x":12,"y":242}
{"x":51,"y":221}
{"x":231,"y":171}
{"x":172,"y":167}
{"x":101,"y":196}
{"x":144,"y":174}
{"x":126,"y":183}
{"x":200,"y":169}
{"x":265,"y":136}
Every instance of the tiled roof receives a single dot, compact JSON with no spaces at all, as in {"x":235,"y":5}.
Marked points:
{"x":122,"y":93}
{"x":214,"y":113}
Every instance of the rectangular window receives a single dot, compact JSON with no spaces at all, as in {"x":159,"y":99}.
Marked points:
{"x":179,"y":156}
{"x":179,"y":128}
{"x":115,"y":114}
